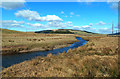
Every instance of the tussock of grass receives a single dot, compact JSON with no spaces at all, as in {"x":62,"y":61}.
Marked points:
{"x":98,"y":58}
{"x":30,"y":42}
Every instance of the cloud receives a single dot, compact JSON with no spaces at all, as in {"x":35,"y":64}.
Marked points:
{"x":30,"y":15}
{"x":114,"y":5}
{"x":57,"y":24}
{"x":20,"y":24}
{"x":66,"y":16}
{"x":104,"y":30}
{"x":12,"y":4}
{"x":76,"y":27}
{"x":86,"y":26}
{"x":69,"y":22}
{"x":91,"y":24}
{"x":62,"y":12}
{"x":71,"y":13}
{"x":7,"y":24}
{"x":100,"y":23}
{"x":77,"y":15}
{"x":82,"y":27}
{"x":116,"y":26}
{"x":37,"y":25}
{"x":34,"y":25}
{"x":52,"y":18}
{"x":97,"y":0}
{"x":12,"y":24}
{"x":70,"y":16}
{"x":33,"y":15}
{"x":87,"y":0}
{"x":113,"y":0}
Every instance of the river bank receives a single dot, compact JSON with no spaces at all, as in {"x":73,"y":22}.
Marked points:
{"x":98,"y":58}
{"x":31,"y":42}
{"x":18,"y":58}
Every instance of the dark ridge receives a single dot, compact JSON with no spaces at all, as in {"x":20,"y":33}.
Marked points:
{"x":60,"y":31}
{"x":115,"y":33}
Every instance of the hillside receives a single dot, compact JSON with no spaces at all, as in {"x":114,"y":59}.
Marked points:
{"x":115,"y":33}
{"x":6,"y":31}
{"x":68,"y":31}
{"x":56,"y":31}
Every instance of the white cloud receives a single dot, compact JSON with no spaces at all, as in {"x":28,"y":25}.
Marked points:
{"x":13,"y":1}
{"x":52,"y":18}
{"x":86,"y":0}
{"x":100,"y":23}
{"x":12,"y":4}
{"x":105,"y":30}
{"x":69,"y":22}
{"x":91,"y":24}
{"x":113,"y":0}
{"x":62,"y":12}
{"x":77,"y":15}
{"x":76,"y":27}
{"x":91,"y":29}
{"x":33,"y":15}
{"x":114,"y":5}
{"x":86,"y":26}
{"x":37,"y":25}
{"x":71,"y":13}
{"x":81,"y":27}
{"x":58,"y":24}
{"x":70,"y":16}
{"x":20,"y":24}
{"x":30,"y":15}
{"x":66,"y":16}
{"x":97,"y":0}
{"x":11,"y":23}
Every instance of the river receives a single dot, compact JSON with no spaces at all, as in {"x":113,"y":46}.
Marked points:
{"x":9,"y":60}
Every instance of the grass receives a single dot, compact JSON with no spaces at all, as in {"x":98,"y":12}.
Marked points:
{"x":98,"y":58}
{"x":19,"y":42}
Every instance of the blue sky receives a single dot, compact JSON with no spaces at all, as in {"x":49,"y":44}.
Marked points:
{"x":34,"y":16}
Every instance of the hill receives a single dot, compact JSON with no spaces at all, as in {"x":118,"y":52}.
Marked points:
{"x":115,"y":33}
{"x":6,"y":31}
{"x":58,"y":31}
{"x":54,"y":31}
{"x":67,"y":31}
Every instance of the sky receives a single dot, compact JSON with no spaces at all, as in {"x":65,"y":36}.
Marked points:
{"x":96,"y":17}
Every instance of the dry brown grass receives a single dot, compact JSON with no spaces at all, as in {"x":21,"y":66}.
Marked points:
{"x":28,"y":42}
{"x":98,"y":58}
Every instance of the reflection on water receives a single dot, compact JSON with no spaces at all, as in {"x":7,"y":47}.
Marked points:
{"x":9,"y":60}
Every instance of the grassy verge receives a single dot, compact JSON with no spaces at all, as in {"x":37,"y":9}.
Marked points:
{"x":98,"y":58}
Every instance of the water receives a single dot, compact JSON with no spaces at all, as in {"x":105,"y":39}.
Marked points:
{"x":9,"y":60}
